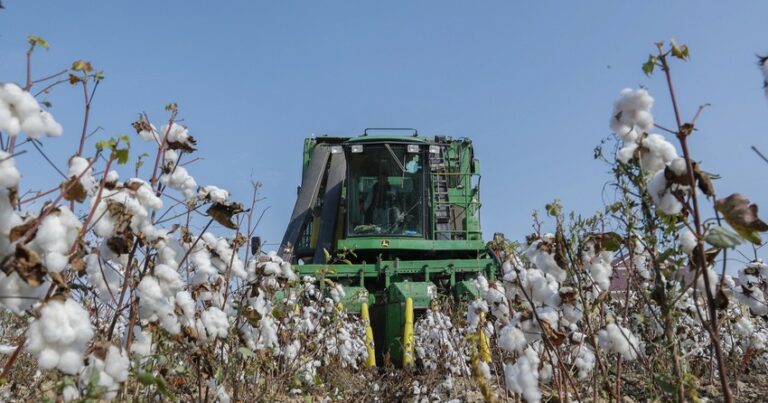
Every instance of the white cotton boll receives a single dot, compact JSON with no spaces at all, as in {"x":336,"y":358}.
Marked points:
{"x":678,"y":166}
{"x":79,"y":166}
{"x":59,"y":337}
{"x":477,"y":307}
{"x":267,"y":333}
{"x":616,"y":339}
{"x":112,"y":176}
{"x":117,"y":364}
{"x":337,"y":293}
{"x":33,"y":126}
{"x":51,"y":127}
{"x":55,"y":237}
{"x":545,"y":261}
{"x":104,"y":277}
{"x":688,"y":241}
{"x":187,"y":304}
{"x":713,"y":281}
{"x":19,"y":111}
{"x":179,"y":179}
{"x":482,"y":284}
{"x":70,"y":393}
{"x":600,"y":268}
{"x":213,"y":194}
{"x":271,"y":269}
{"x":523,"y":376}
{"x":9,"y":175}
{"x":155,"y":305}
{"x":662,"y":197}
{"x":287,"y":272}
{"x":142,"y":342}
{"x":626,"y":153}
{"x":512,"y":339}
{"x":631,"y":112}
{"x":656,"y":152}
{"x":20,"y":296}
{"x":149,"y":135}
{"x":215,"y":322}
{"x":585,"y":361}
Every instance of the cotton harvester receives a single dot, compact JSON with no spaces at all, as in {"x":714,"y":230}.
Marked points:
{"x":408,"y":207}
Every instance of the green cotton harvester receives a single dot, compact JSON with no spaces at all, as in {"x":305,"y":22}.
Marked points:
{"x":407,"y":207}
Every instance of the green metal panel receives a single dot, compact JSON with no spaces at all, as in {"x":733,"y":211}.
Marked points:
{"x":409,"y":244}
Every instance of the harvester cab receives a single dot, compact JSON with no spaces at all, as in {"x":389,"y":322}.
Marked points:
{"x":403,"y":210}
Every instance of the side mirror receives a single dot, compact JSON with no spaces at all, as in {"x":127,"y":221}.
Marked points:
{"x":256,"y":246}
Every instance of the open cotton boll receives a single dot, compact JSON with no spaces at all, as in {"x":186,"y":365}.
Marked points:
{"x":9,"y":175}
{"x":584,"y":361}
{"x":215,"y":322}
{"x":512,"y":339}
{"x":631,"y":114}
{"x":544,"y":260}
{"x":522,"y":376}
{"x":142,"y":342}
{"x":713,"y":281}
{"x":105,"y":278}
{"x":19,"y":111}
{"x":59,"y":337}
{"x":337,"y":293}
{"x":656,"y":152}
{"x":477,"y":307}
{"x":179,"y":179}
{"x":599,"y":266}
{"x":616,"y":339}
{"x":55,"y":237}
{"x":688,"y":241}
{"x":662,"y":197}
{"x":79,"y":166}
{"x":18,"y":296}
{"x":112,"y":371}
{"x":212,"y":193}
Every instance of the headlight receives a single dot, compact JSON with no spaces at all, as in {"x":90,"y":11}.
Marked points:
{"x":413,"y":148}
{"x":434,"y":149}
{"x":357,"y":148}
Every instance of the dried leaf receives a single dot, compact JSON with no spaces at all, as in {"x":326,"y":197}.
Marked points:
{"x":27,"y":264}
{"x":555,"y":337}
{"x":742,"y":217}
{"x":187,"y":146}
{"x":223,"y":212}
{"x":19,"y":231}
{"x":73,"y":190}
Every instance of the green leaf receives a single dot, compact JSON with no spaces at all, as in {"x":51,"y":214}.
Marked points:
{"x":722,"y":238}
{"x":125,"y":139}
{"x":679,"y":51}
{"x":35,"y":40}
{"x":121,"y":156}
{"x":99,"y":75}
{"x":160,"y":382}
{"x":554,"y":209}
{"x":649,"y":65}
{"x":171,"y":107}
{"x":82,"y":65}
{"x":246,"y":353}
{"x":146,"y":378}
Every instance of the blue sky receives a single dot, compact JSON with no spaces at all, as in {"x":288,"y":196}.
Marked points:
{"x":532,"y":83}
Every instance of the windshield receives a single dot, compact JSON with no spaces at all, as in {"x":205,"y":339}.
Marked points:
{"x":385,"y":190}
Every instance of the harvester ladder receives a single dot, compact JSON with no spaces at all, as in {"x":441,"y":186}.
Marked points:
{"x":441,"y":199}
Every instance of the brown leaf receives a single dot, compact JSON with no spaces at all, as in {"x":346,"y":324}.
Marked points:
{"x":141,"y":125}
{"x":557,"y":338}
{"x":742,"y":216}
{"x":27,"y":264}
{"x":73,"y":190}
{"x":187,"y":146}
{"x":223,"y":212}
{"x":19,"y":231}
{"x":120,"y":244}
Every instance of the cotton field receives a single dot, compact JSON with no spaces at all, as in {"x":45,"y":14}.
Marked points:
{"x":138,"y":284}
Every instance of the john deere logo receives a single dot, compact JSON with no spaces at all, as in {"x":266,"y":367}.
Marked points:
{"x":385,"y":244}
